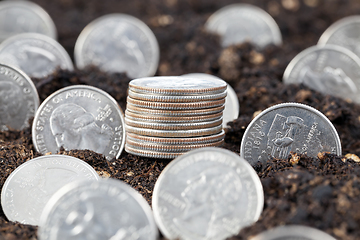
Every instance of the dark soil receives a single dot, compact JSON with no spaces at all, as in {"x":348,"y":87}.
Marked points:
{"x":321,"y":192}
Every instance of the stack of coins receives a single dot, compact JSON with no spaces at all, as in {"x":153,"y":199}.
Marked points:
{"x":168,"y":116}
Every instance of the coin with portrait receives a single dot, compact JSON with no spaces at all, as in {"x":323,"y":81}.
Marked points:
{"x":79,"y":117}
{"x":208,"y":193}
{"x":35,"y":54}
{"x":30,"y":186}
{"x":118,"y":43}
{"x":19,"y":99}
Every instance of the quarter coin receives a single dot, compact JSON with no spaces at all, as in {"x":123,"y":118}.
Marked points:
{"x":19,"y":99}
{"x":24,"y":16}
{"x":208,"y":193}
{"x":36,"y":54}
{"x":79,"y":117}
{"x":152,"y":154}
{"x":30,"y":186}
{"x":285,"y":128}
{"x":293,"y":232}
{"x":177,"y":86}
{"x":328,"y":69}
{"x":237,"y":23}
{"x":107,"y":209}
{"x":232,"y":106}
{"x":345,"y":32}
{"x":118,"y":43}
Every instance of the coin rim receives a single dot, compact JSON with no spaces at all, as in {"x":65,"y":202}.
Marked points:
{"x":175,"y":113}
{"x":97,"y":23}
{"x":31,"y":161}
{"x":245,"y":164}
{"x":37,"y":9}
{"x":95,"y":89}
{"x":296,"y":105}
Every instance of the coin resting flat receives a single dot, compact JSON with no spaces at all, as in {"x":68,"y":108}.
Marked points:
{"x":79,"y":117}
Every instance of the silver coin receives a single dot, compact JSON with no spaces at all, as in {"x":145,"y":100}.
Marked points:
{"x":108,"y":209}
{"x":30,"y":186}
{"x":118,"y":43}
{"x":169,"y":85}
{"x":345,"y":33}
{"x":328,"y":69}
{"x":232,"y":106}
{"x":208,"y":193}
{"x":19,"y":99}
{"x":237,"y":23}
{"x":36,"y":54}
{"x":287,"y":127}
{"x":24,"y":16}
{"x":79,"y":117}
{"x":293,"y":232}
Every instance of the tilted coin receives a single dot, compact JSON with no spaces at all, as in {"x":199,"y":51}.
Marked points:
{"x":184,"y":98}
{"x":79,"y":117}
{"x":176,"y":141}
{"x":36,"y":54}
{"x":237,"y":23}
{"x":175,"y":106}
{"x":173,"y":126}
{"x":293,"y":232}
{"x":287,"y":127}
{"x":169,"y":148}
{"x":172,"y":133}
{"x":19,"y":99}
{"x":232,"y":106}
{"x":328,"y":69}
{"x":345,"y":32}
{"x":30,"y":186}
{"x":118,"y":43}
{"x":208,"y":193}
{"x":174,"y":113}
{"x":169,"y":119}
{"x":24,"y":16}
{"x":108,"y":209}
{"x":169,"y":85}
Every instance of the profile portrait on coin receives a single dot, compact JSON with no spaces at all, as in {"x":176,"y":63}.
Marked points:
{"x":11,"y":101}
{"x":210,"y":198}
{"x":119,"y":51}
{"x":75,"y":128}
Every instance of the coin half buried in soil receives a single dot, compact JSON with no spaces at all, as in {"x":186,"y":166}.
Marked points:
{"x":35,"y":54}
{"x":177,"y":86}
{"x":208,"y":193}
{"x":329,"y":69}
{"x":30,"y":186}
{"x":285,"y":128}
{"x":118,"y":43}
{"x":107,"y":209}
{"x":289,"y":232}
{"x":24,"y":16}
{"x":79,"y":117}
{"x":19,"y":98}
{"x":237,"y":23}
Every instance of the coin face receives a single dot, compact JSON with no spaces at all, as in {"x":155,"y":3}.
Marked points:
{"x":108,"y":209}
{"x":170,"y":85}
{"x":232,"y":106}
{"x":22,"y":17}
{"x":19,"y":99}
{"x":118,"y":43}
{"x":328,"y":69}
{"x":36,"y":54}
{"x":79,"y":117}
{"x":293,"y":232}
{"x":285,"y":128}
{"x":30,"y":186}
{"x":208,"y":193}
{"x":237,"y":23}
{"x":345,"y":33}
